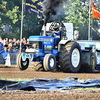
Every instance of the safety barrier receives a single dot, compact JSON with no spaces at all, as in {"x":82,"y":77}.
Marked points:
{"x":1,"y":59}
{"x":13,"y":58}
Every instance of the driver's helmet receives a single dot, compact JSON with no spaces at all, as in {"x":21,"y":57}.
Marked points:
{"x":56,"y":27}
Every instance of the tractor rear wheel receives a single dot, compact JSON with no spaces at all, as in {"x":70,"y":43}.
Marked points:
{"x":70,"y":57}
{"x":22,"y":65}
{"x":37,"y":66}
{"x":49,"y":62}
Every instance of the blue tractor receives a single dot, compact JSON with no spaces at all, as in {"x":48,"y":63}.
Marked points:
{"x":51,"y":51}
{"x":58,"y":49}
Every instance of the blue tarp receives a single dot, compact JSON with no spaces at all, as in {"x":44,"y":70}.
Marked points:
{"x":48,"y":84}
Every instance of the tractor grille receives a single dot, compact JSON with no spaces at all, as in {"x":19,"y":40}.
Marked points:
{"x":36,"y":45}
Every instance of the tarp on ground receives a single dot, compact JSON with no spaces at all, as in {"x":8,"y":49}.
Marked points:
{"x":48,"y":84}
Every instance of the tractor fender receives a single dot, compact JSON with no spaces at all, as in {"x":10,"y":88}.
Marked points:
{"x":62,"y":42}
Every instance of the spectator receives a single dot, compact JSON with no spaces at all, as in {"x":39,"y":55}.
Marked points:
{"x":1,"y":44}
{"x":14,"y":49}
{"x":14,"y":41}
{"x":13,"y":46}
{"x":28,"y":40}
{"x":4,"y":42}
{"x":5,"y":53}
{"x":27,"y":44}
{"x":17,"y":44}
{"x":10,"y":46}
{"x":23,"y":42}
{"x":24,"y":39}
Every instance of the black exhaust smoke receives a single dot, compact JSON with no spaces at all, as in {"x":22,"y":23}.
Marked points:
{"x":50,"y":8}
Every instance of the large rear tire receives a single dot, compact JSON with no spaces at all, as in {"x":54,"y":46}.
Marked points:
{"x":49,"y":62}
{"x":38,"y":66}
{"x":22,"y":65}
{"x":70,"y":57}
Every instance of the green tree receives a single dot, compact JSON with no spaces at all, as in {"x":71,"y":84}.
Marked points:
{"x":32,"y":24}
{"x":10,"y":14}
{"x":77,"y":12}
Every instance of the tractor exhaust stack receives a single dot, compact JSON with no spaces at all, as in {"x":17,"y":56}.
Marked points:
{"x":44,"y":30}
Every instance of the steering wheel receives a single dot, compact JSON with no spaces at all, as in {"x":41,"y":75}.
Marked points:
{"x":54,"y":35}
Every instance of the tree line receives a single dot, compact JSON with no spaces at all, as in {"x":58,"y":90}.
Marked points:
{"x":74,"y":11}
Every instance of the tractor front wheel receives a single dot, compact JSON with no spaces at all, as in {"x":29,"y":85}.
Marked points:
{"x":22,"y":65}
{"x":49,"y":62}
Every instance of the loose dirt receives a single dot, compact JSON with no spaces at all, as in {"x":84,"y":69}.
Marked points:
{"x":74,"y":94}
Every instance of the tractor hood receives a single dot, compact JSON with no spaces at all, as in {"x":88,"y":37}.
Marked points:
{"x":41,"y":39}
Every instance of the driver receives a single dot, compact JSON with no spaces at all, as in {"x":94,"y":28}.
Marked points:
{"x":56,"y":31}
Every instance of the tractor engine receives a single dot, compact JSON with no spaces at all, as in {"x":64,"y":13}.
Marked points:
{"x":42,"y":45}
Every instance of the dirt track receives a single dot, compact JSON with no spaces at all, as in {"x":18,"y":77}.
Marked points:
{"x":80,"y":94}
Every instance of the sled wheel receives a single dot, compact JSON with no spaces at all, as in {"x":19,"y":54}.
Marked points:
{"x":49,"y":62}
